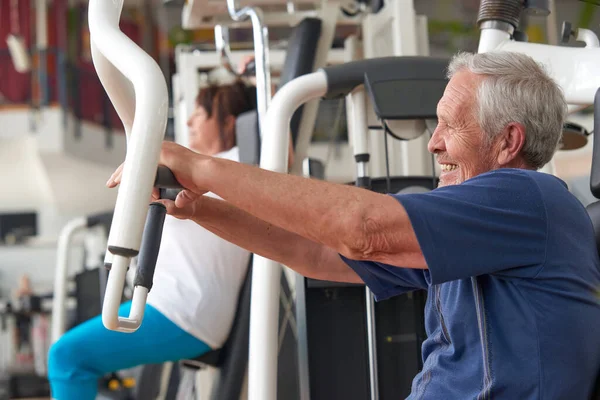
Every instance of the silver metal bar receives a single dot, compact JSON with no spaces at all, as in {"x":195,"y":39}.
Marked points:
{"x":372,"y":341}
{"x":261,"y":54}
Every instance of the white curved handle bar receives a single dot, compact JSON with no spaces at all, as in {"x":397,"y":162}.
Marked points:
{"x":266,"y":274}
{"x":138,"y":90}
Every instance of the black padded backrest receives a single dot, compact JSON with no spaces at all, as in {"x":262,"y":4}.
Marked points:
{"x":300,"y":60}
{"x":594,"y":213}
{"x":248,"y":137}
{"x":234,"y":354}
{"x":301,"y":51}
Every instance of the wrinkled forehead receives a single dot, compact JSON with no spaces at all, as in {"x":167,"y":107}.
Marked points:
{"x":459,"y":96}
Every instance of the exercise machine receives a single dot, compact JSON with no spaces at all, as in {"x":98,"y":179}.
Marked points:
{"x":342,"y":80}
{"x":117,"y":74}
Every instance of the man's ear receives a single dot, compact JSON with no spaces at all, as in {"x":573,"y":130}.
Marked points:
{"x":510,"y":144}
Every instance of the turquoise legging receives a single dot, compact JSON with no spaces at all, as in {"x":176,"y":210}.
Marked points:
{"x":89,"y":351}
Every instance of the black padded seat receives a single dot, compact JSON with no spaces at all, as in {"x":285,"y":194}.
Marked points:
{"x":247,"y":137}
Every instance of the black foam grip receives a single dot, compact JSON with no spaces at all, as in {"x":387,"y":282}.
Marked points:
{"x":169,"y":194}
{"x":165,"y":179}
{"x":595,"y":172}
{"x":150,"y":245}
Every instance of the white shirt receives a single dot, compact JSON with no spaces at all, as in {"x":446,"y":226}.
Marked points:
{"x":198,"y":277}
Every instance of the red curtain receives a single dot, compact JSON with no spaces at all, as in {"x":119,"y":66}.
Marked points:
{"x":18,"y":88}
{"x":14,"y":86}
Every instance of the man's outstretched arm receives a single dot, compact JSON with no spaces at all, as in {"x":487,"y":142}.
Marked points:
{"x":306,"y":257}
{"x":355,"y":222}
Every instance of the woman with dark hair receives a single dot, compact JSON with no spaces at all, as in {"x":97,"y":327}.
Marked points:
{"x":191,"y":306}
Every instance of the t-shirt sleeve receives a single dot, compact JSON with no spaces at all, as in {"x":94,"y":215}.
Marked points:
{"x":386,"y":281}
{"x":493,"y":223}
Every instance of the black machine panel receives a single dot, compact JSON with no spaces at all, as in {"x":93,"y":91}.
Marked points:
{"x":336,"y":327}
{"x":406,"y":99}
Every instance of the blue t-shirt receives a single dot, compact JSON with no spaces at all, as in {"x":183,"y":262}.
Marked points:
{"x":512,"y":309}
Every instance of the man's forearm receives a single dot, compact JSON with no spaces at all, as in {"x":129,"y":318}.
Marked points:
{"x":355,"y":222}
{"x":306,"y":257}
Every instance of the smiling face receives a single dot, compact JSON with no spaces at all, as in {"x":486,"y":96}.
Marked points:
{"x":458,"y":141}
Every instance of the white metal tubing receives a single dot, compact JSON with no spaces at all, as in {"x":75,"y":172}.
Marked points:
{"x":119,"y":89}
{"x":490,"y":38}
{"x":114,"y":284}
{"x":575,"y":69}
{"x":289,"y":98}
{"x":358,"y":119}
{"x":147,"y":129}
{"x":261,"y":55}
{"x":59,"y":302}
{"x":587,"y":36}
{"x":266,"y":275}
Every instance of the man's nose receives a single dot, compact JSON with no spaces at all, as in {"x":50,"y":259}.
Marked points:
{"x":436,"y":143}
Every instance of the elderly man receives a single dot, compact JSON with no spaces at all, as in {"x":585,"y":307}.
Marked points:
{"x":506,"y":253}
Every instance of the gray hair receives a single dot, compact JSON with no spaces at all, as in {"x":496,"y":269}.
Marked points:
{"x":517,"y":89}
